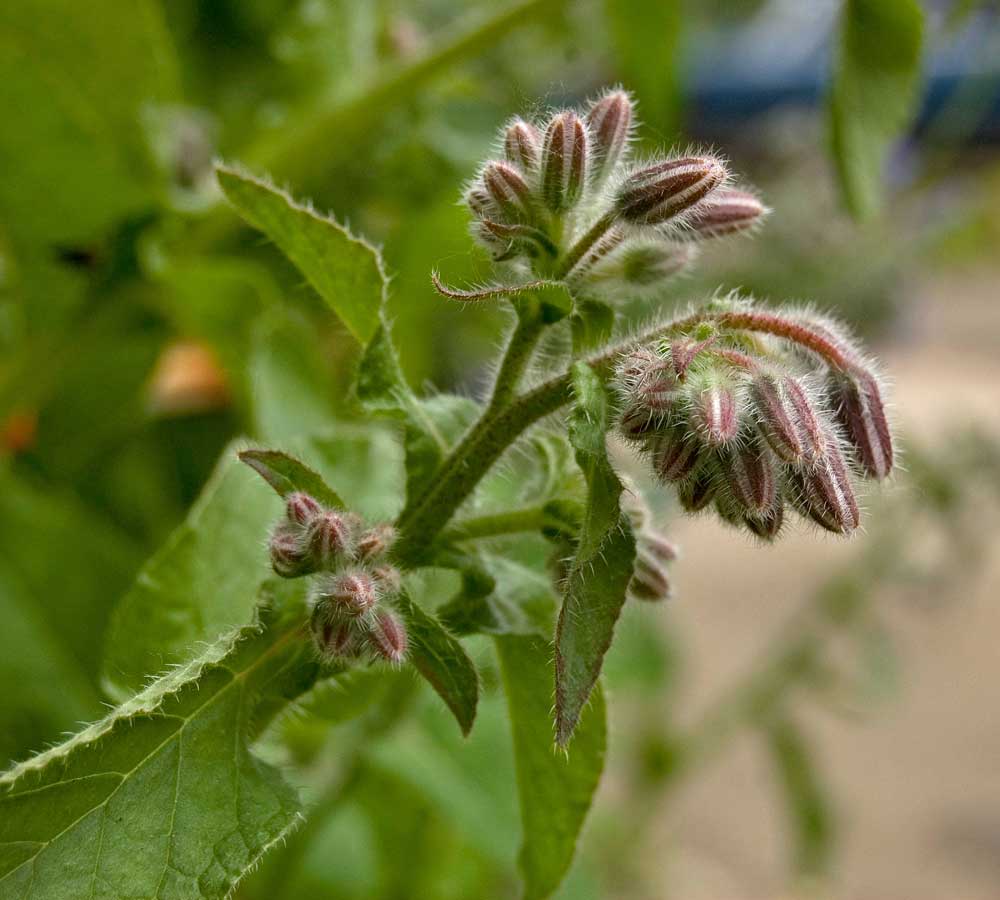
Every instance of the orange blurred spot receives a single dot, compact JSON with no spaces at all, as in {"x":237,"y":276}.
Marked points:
{"x":188,"y":379}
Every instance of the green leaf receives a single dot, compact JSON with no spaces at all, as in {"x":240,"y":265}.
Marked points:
{"x":808,"y":805}
{"x":439,"y":657}
{"x":874,"y":94}
{"x":345,"y":270}
{"x":163,"y":797}
{"x":287,"y":475}
{"x":602,"y":567}
{"x":555,"y":788}
{"x":592,"y":324}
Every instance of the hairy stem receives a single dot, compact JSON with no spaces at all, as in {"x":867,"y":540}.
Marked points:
{"x":531,"y":518}
{"x":517,"y":355}
{"x":576,"y":252}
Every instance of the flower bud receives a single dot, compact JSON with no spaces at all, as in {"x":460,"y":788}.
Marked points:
{"x":787,"y":418}
{"x":726,"y":212}
{"x":683,"y":352}
{"x":660,"y":192}
{"x":861,"y":411}
{"x":676,"y":453}
{"x":751,"y":478}
{"x":387,"y":637}
{"x":351,"y":593}
{"x":650,"y":581}
{"x":825,"y":492}
{"x":375,"y":542}
{"x":638,"y":422}
{"x":289,"y":552}
{"x":335,"y":638}
{"x":478,"y":200}
{"x":329,"y":538}
{"x":658,"y":546}
{"x":767,"y":525}
{"x":652,"y":262}
{"x":301,"y":508}
{"x":387,"y":579}
{"x":697,"y":492}
{"x":610,"y":124}
{"x":716,"y":409}
{"x":564,"y":161}
{"x":508,"y":192}
{"x":521,"y":145}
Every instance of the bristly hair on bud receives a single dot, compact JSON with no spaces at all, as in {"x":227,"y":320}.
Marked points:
{"x":330,"y":538}
{"x":508,"y":192}
{"x":301,"y":508}
{"x":860,"y":409}
{"x":727,"y":211}
{"x":351,"y":593}
{"x":375,"y":542}
{"x":610,"y":121}
{"x":387,"y":637}
{"x":564,"y":161}
{"x":289,"y":551}
{"x":660,"y":192}
{"x":717,"y":404}
{"x":522,"y":145}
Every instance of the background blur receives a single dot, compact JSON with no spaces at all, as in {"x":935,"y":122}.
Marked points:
{"x":815,"y":718}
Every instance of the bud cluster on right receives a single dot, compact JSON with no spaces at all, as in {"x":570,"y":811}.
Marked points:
{"x":755,"y":412}
{"x":355,"y":582}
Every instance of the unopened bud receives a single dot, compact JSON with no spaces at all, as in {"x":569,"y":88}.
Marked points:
{"x":658,"y":546}
{"x":289,"y":552}
{"x":650,"y":581}
{"x":329,"y":538}
{"x":335,"y":638}
{"x":351,"y":593}
{"x":787,"y":418}
{"x":767,"y":525}
{"x":751,"y":477}
{"x":388,"y":580}
{"x":610,"y":123}
{"x":521,"y":145}
{"x":301,"y":508}
{"x":697,"y":492}
{"x":676,"y":453}
{"x":478,"y":200}
{"x":826,"y":494}
{"x":715,"y":412}
{"x":652,"y":262}
{"x":564,"y":161}
{"x":387,"y":637}
{"x":861,"y":410}
{"x":660,"y":192}
{"x":375,"y":542}
{"x":638,"y":422}
{"x":508,"y":191}
{"x":683,"y":352}
{"x":726,"y":212}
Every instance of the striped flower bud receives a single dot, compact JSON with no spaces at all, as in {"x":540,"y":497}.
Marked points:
{"x":388,"y":580}
{"x":610,"y":122}
{"x":716,"y":409}
{"x":335,"y":638}
{"x":329,"y":538}
{"x":387,"y":637}
{"x":660,"y":192}
{"x":564,"y":161}
{"x":300,"y":508}
{"x":508,"y":192}
{"x":638,"y":422}
{"x":375,"y":542}
{"x":697,"y":492}
{"x":676,"y":453}
{"x":751,"y":478}
{"x":351,"y":593}
{"x":767,"y":525}
{"x":650,"y":581}
{"x":825,"y":492}
{"x":289,"y":551}
{"x":521,"y":145}
{"x":726,"y":212}
{"x":859,"y":407}
{"x":787,"y":418}
{"x":658,"y":546}
{"x":478,"y":200}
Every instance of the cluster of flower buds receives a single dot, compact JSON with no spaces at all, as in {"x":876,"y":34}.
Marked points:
{"x":350,"y":618}
{"x":755,"y":411}
{"x":566,"y":201}
{"x":653,"y":552}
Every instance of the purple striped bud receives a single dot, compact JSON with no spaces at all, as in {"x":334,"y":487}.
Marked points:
{"x":301,"y":508}
{"x":787,"y":418}
{"x":289,"y":552}
{"x":635,"y":366}
{"x":861,"y":411}
{"x":825,"y":492}
{"x":564,"y":161}
{"x":336,"y":639}
{"x":387,"y":579}
{"x":726,"y":212}
{"x":658,"y":546}
{"x":509,"y":192}
{"x":610,"y":124}
{"x":767,"y":525}
{"x":676,"y":453}
{"x":478,"y":200}
{"x":716,"y":411}
{"x":697,"y":492}
{"x":650,"y":581}
{"x":683,"y":352}
{"x":375,"y":542}
{"x":351,"y":593}
{"x":751,"y":478}
{"x":660,"y":192}
{"x":521,"y":145}
{"x":387,"y":638}
{"x":638,"y":422}
{"x":329,"y":538}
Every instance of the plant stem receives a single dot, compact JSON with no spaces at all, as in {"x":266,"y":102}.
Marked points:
{"x":516,"y":357}
{"x":531,"y":518}
{"x":575,"y":254}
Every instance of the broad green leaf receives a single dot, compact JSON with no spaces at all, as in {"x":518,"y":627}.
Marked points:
{"x":439,"y":657}
{"x":810,"y":815}
{"x":163,"y":797}
{"x":874,"y":94}
{"x":345,"y":270}
{"x":555,"y":788}
{"x":602,"y":567}
{"x":287,"y":475}
{"x":592,"y":324}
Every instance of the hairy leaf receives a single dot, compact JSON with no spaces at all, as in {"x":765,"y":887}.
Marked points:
{"x":287,"y":475}
{"x":163,"y":797}
{"x":602,"y":566}
{"x":345,"y":270}
{"x":875,"y":90}
{"x":555,"y":788}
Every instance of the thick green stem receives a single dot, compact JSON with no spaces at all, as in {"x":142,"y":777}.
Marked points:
{"x":520,"y":347}
{"x":531,"y":518}
{"x":575,"y":254}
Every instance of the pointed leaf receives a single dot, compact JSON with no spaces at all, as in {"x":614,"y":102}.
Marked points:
{"x":602,"y":567}
{"x":287,"y":475}
{"x":555,"y":788}
{"x":346,"y":271}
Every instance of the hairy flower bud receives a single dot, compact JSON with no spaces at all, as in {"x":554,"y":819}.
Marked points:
{"x":650,"y":581}
{"x":787,"y":418}
{"x":648,"y":263}
{"x":660,"y":192}
{"x":860,"y":410}
{"x":825,"y":492}
{"x":301,"y":508}
{"x":697,"y":492}
{"x":564,"y":161}
{"x":767,"y":525}
{"x":350,"y":593}
{"x":521,"y":145}
{"x":638,"y":422}
{"x":676,"y":453}
{"x":716,"y":410}
{"x":329,"y":538}
{"x":335,"y":638}
{"x":508,"y":192}
{"x":387,"y":637}
{"x":658,"y":546}
{"x":289,"y":552}
{"x":751,"y":477}
{"x":726,"y":212}
{"x":375,"y":542}
{"x":610,"y":122}
{"x":388,"y":579}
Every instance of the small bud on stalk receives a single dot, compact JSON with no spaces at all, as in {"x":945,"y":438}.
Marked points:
{"x":521,"y":145}
{"x":726,"y":212}
{"x":787,"y":418}
{"x":290,"y":555}
{"x":508,"y":192}
{"x":329,"y":538}
{"x":716,"y":410}
{"x":301,"y":508}
{"x":564,"y":161}
{"x":350,"y":593}
{"x":650,"y":581}
{"x":825,"y":493}
{"x":751,"y":478}
{"x":387,"y":637}
{"x":860,"y":410}
{"x":661,"y":192}
{"x":698,"y":492}
{"x":375,"y":542}
{"x":676,"y":453}
{"x":610,"y":124}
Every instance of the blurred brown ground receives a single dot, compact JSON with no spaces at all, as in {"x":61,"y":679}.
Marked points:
{"x":916,"y":784}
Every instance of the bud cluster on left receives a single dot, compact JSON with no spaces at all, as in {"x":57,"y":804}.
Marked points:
{"x":355,"y":583}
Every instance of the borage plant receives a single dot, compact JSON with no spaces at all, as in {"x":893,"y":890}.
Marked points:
{"x":750,"y":411}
